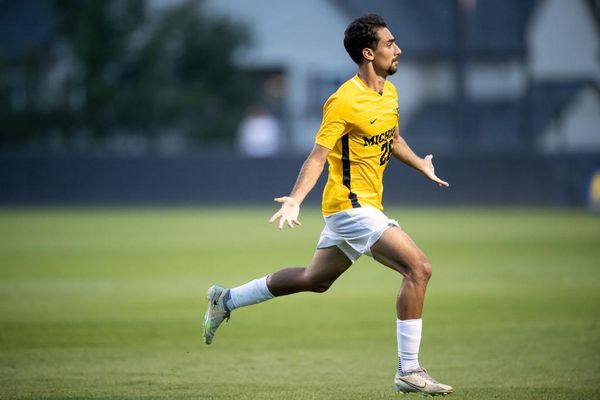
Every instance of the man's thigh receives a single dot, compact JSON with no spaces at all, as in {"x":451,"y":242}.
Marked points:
{"x":396,"y":250}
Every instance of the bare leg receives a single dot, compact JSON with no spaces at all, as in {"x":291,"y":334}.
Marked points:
{"x":396,"y":250}
{"x":326,"y":266}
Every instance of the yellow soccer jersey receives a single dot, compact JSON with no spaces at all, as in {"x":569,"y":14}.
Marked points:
{"x":358,"y":127}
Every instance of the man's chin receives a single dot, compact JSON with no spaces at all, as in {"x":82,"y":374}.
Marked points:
{"x":392,"y":71}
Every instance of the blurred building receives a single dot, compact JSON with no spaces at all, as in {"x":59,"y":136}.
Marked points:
{"x":475,"y":75}
{"x":504,"y":91}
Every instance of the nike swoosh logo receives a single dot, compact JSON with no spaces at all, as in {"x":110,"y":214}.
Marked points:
{"x":373,"y":121}
{"x":414,"y":385}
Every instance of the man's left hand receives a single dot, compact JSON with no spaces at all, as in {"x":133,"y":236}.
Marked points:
{"x":428,"y":170}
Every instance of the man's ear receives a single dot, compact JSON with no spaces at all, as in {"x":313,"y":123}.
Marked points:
{"x":368,"y":54}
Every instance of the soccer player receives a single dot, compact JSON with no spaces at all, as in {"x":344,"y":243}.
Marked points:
{"x":358,"y":137}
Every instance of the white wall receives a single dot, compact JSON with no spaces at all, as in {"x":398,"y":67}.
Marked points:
{"x":419,"y":82}
{"x":582,"y":122}
{"x":579,"y":128}
{"x":497,"y":80}
{"x":288,"y":32}
{"x":563,"y":41}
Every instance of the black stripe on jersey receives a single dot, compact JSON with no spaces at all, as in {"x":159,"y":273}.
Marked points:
{"x":346,"y":171}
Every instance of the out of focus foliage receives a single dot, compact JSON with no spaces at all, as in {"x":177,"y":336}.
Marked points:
{"x":117,"y":68}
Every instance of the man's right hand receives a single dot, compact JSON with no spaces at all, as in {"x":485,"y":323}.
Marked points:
{"x":288,"y":213}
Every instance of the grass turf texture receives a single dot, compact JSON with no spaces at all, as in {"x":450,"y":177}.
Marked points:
{"x":107,"y":304}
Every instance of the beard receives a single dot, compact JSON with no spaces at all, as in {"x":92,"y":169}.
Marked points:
{"x":392,"y":69}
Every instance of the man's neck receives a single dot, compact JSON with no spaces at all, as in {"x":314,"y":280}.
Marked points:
{"x":370,"y":78}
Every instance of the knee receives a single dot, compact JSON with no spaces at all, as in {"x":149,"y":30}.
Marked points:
{"x":320,"y":287}
{"x":421,"y":271}
{"x":313,"y":284}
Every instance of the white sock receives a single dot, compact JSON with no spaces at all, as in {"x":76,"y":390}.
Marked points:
{"x":409,"y":339}
{"x":253,"y":292}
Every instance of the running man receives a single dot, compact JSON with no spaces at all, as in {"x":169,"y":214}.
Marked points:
{"x":358,"y":136}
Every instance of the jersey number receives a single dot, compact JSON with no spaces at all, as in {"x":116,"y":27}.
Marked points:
{"x":387,"y":148}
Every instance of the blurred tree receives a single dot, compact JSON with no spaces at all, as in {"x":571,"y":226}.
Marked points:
{"x":116,"y":67}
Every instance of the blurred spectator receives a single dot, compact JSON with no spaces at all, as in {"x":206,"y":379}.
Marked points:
{"x":259,"y":134}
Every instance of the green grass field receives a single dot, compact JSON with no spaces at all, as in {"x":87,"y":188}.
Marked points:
{"x":107,"y":304}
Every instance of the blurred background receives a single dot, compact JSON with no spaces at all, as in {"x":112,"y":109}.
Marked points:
{"x":162,"y":101}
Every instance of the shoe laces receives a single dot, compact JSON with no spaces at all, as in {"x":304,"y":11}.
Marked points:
{"x":423,"y":372}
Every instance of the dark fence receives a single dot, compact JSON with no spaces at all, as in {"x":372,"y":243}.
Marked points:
{"x":537,"y":180}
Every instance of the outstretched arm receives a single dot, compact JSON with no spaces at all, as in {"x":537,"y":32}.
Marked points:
{"x":307,"y":178}
{"x":424,"y":165}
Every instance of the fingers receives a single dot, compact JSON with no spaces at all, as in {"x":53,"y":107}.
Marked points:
{"x":275,"y":216}
{"x":291,"y":222}
{"x":442,"y":183}
{"x":437,"y":180}
{"x":280,"y":212}
{"x":287,"y":214}
{"x":429,"y":163}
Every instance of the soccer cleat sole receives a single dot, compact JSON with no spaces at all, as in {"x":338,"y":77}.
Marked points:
{"x":400,"y":392}
{"x":205,"y":322}
{"x":210,"y":297}
{"x":406,"y":390}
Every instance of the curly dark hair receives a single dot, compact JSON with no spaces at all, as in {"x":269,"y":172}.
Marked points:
{"x":362,"y":33}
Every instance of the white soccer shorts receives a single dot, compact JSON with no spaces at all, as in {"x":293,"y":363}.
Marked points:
{"x":354,"y":231}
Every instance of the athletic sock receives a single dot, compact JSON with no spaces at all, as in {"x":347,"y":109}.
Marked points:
{"x":253,"y":292}
{"x":409,"y":339}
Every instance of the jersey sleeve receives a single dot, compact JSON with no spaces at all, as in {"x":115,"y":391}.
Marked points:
{"x":334,"y":124}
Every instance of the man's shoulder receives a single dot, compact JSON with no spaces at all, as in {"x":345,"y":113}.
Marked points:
{"x":346,"y":94}
{"x":350,"y":87}
{"x":390,"y":86}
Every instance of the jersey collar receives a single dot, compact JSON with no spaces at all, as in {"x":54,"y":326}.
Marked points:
{"x":358,"y":82}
